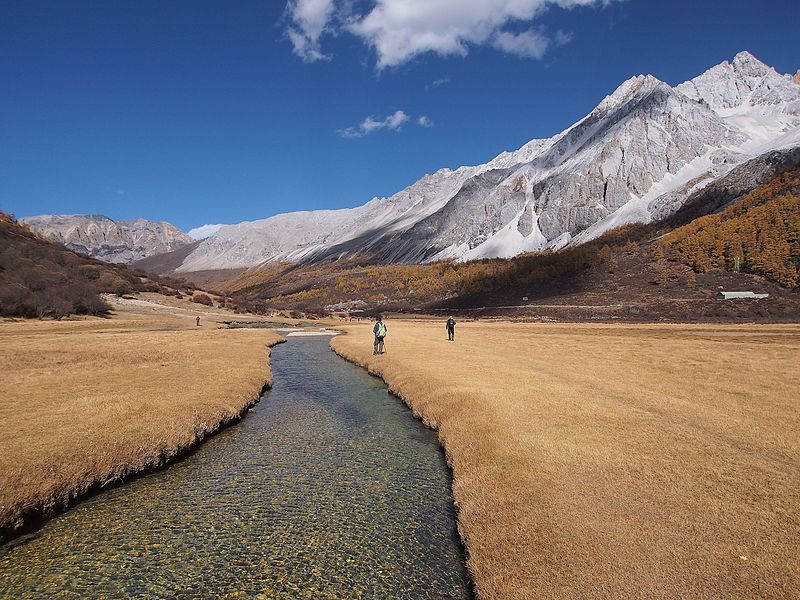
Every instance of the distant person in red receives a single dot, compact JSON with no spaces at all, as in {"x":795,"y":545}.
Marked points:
{"x":198,"y":320}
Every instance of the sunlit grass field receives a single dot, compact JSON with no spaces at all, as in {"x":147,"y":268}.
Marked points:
{"x":611,"y":461}
{"x":88,"y":401}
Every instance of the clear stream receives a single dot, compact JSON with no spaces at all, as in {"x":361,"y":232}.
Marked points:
{"x":329,"y":488}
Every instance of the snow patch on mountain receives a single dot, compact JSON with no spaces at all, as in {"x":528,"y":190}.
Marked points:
{"x":204,"y":231}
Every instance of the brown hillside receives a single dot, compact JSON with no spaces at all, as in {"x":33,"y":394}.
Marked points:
{"x":41,"y":278}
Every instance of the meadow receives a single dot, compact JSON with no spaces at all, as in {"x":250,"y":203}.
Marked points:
{"x":89,"y":401}
{"x":611,"y":461}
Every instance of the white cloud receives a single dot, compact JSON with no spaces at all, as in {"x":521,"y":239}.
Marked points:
{"x":529,"y":44}
{"x":437,"y":83}
{"x":424,"y":121}
{"x":562,"y":37}
{"x":310,"y":19}
{"x":350,"y":133}
{"x":371,"y":124}
{"x":398,"y":118}
{"x":399,"y":30}
{"x":204,"y":231}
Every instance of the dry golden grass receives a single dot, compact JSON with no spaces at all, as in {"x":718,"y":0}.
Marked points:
{"x":88,"y":401}
{"x":597,"y":461}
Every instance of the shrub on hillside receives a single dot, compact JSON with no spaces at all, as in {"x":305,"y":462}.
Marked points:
{"x":146,"y":286}
{"x":204,"y":299}
{"x":113,"y":284}
{"x":91,"y":272}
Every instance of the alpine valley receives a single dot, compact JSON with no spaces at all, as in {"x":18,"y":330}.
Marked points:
{"x":637,"y":157}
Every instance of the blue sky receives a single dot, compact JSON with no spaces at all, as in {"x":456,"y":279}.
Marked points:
{"x":216,"y":112}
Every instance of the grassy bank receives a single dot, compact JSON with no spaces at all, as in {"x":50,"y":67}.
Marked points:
{"x":84,"y":403}
{"x":621,"y":461}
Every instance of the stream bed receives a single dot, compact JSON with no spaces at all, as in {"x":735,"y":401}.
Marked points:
{"x":329,"y":488}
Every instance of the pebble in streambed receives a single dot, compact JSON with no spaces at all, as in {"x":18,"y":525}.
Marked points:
{"x":329,"y":488}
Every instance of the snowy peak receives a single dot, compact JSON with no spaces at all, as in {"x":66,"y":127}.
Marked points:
{"x":745,"y":82}
{"x":747,"y":66}
{"x":634,"y":88}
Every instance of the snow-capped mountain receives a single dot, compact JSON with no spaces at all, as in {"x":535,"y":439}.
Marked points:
{"x":635,"y":157}
{"x":204,"y":231}
{"x":109,"y":240}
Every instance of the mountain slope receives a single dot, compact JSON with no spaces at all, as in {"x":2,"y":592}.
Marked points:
{"x":296,"y":236}
{"x":42,"y":278}
{"x":108,"y":240}
{"x":634,"y":158}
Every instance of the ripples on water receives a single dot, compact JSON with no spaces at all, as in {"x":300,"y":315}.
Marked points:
{"x":329,"y":489}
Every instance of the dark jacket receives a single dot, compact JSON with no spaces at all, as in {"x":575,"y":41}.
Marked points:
{"x":451,"y":325}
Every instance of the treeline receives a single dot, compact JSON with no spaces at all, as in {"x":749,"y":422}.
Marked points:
{"x":759,"y":234}
{"x":40,"y":278}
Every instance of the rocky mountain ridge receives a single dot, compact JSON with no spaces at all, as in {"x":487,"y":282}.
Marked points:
{"x":112,"y":241}
{"x":636,"y":157}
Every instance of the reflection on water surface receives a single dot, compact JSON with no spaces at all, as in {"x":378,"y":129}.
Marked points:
{"x":328,"y":489}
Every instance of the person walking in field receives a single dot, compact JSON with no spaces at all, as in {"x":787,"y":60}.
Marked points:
{"x":451,"y":329}
{"x":198,"y":320}
{"x":380,"y":332}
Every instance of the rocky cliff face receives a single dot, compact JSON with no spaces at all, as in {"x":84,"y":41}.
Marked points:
{"x":637,"y":156}
{"x":109,"y":240}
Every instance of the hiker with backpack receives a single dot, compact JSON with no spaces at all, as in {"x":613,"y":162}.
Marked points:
{"x":380,"y":332}
{"x":451,"y":329}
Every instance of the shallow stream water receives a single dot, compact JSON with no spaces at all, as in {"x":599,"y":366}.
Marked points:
{"x":329,"y":488}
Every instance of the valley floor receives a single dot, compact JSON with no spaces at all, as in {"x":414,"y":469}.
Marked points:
{"x":88,"y":401}
{"x":611,"y":461}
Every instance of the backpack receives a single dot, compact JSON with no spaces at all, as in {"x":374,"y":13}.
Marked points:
{"x":381,"y":331}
